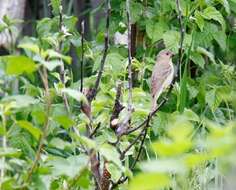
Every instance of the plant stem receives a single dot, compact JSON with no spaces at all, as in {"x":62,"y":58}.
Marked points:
{"x":105,"y":51}
{"x":82,"y":57}
{"x":44,"y":78}
{"x":130,"y":85}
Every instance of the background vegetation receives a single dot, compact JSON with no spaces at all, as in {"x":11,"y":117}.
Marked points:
{"x":75,"y":101}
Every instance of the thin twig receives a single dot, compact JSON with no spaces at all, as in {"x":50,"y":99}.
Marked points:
{"x":105,"y":51}
{"x":82,"y":57}
{"x":124,"y":125}
{"x":62,"y":67}
{"x":95,"y":130}
{"x":131,"y":145}
{"x":130,"y":85}
{"x":44,"y":78}
{"x":141,"y":146}
{"x":117,"y":108}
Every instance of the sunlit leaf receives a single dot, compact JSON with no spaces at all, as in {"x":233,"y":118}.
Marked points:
{"x":17,"y":65}
{"x":21,"y":101}
{"x":212,"y":13}
{"x":30,"y":128}
{"x":149,"y":181}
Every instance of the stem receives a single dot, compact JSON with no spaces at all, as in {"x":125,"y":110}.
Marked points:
{"x":106,"y":46}
{"x":62,"y":67}
{"x":129,"y":58}
{"x":45,"y":127}
{"x":82,"y":57}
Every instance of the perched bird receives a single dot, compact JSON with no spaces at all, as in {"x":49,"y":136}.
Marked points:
{"x":162,"y":75}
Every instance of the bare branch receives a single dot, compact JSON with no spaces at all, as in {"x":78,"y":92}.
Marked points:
{"x":106,"y":46}
{"x":95,"y":130}
{"x":130,"y":85}
{"x":62,"y":67}
{"x":124,"y":125}
{"x":118,"y":107}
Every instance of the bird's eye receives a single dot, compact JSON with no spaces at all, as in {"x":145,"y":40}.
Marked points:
{"x":167,"y":53}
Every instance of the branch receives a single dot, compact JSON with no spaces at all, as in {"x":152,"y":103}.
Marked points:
{"x":130,"y":85}
{"x":131,"y":145}
{"x":95,"y":130}
{"x":118,"y":107}
{"x":124,"y":125}
{"x":82,"y":57}
{"x":44,"y":78}
{"x":106,"y":46}
{"x":62,"y":68}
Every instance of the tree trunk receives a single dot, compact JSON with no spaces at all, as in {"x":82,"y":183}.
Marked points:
{"x":14,"y":9}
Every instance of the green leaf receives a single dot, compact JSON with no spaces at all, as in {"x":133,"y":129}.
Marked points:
{"x":212,"y":99}
{"x":211,"y":13}
{"x":154,"y":30}
{"x":191,"y":115}
{"x":59,"y":143}
{"x":193,"y":160}
{"x":115,"y":171}
{"x":30,"y":128}
{"x":17,"y":65}
{"x":77,"y":95}
{"x":225,"y":3}
{"x":21,"y":101}
{"x":89,"y":143}
{"x":220,"y":38}
{"x":207,"y":53}
{"x":111,"y":154}
{"x":168,"y":148}
{"x":169,"y":165}
{"x":9,"y":152}
{"x":64,"y":120}
{"x":56,"y":7}
{"x":72,"y":166}
{"x":51,"y":54}
{"x":31,"y":47}
{"x":199,"y":20}
{"x":149,"y":181}
{"x":136,"y":11}
{"x":171,"y":40}
{"x":197,"y":59}
{"x":116,"y":61}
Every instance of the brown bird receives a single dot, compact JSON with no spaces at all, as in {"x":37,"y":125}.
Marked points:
{"x":162,"y":75}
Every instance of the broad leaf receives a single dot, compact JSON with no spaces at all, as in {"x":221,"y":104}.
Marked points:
{"x":30,"y":128}
{"x":17,"y":65}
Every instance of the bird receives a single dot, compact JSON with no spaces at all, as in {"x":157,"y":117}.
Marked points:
{"x":162,"y":75}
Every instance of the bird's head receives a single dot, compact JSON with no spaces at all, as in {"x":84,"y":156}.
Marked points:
{"x":165,"y":54}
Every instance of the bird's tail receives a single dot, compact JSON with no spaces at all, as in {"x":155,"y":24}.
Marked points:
{"x":154,"y":100}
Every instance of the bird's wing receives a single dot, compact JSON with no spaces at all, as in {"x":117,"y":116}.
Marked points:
{"x":160,"y":73}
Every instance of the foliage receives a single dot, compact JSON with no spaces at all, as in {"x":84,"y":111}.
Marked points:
{"x":55,"y":135}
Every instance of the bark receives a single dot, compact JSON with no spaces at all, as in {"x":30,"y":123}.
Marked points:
{"x":14,"y":9}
